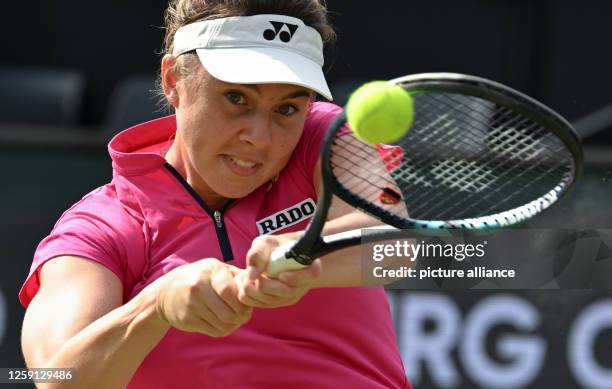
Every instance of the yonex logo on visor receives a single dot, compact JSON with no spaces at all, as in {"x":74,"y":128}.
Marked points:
{"x":284,"y":35}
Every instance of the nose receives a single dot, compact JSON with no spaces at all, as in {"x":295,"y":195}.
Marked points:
{"x":257,"y":131}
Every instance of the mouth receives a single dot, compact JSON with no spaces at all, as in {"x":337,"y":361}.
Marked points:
{"x":241,"y":166}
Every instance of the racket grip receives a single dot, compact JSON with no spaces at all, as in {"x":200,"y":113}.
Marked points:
{"x":278,"y":263}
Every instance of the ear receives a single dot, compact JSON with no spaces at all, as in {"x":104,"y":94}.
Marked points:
{"x":169,"y":78}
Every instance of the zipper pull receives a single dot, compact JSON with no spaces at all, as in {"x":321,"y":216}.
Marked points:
{"x":218,"y":221}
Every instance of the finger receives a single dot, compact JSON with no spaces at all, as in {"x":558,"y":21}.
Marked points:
{"x":242,"y":279}
{"x":251,"y":291}
{"x":213,"y":328}
{"x":233,"y":269}
{"x":273,"y":287}
{"x":253,"y":272}
{"x":254,"y":303}
{"x":303,"y":277}
{"x":223,"y":320}
{"x":254,"y":290}
{"x":255,"y":298}
{"x":207,"y":320}
{"x":225,"y":291}
{"x":207,"y":329}
{"x":202,"y":325}
{"x":272,"y":304}
{"x":242,"y":283}
{"x":257,"y":256}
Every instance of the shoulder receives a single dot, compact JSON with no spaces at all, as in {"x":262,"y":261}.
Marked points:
{"x":103,"y":208}
{"x":320,"y":116}
{"x":100,"y":228}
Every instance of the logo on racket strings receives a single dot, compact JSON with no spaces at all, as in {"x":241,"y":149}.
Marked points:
{"x":284,"y":31}
{"x":389,"y":196}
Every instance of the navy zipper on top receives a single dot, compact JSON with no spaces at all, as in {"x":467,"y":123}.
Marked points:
{"x":217,"y":216}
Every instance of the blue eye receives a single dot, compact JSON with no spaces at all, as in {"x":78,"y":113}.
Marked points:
{"x":235,"y":98}
{"x":287,"y":109}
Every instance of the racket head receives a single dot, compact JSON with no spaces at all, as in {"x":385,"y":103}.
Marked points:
{"x":479,"y":155}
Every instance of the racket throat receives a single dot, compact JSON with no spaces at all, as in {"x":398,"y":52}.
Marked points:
{"x":305,"y":252}
{"x":304,"y":259}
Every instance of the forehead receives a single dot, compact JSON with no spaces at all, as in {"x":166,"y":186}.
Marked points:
{"x":284,"y":90}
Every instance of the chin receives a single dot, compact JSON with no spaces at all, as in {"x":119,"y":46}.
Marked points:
{"x":236,"y":190}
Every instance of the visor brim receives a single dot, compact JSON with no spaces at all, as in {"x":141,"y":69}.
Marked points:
{"x":259,"y":65}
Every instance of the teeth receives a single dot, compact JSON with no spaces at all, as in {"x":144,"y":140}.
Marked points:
{"x":242,"y":163}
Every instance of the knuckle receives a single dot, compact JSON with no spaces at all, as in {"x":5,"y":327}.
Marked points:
{"x":249,"y":291}
{"x":193,"y":285}
{"x":242,"y":298}
{"x":225,"y":290}
{"x":190,"y":306}
{"x":259,"y":241}
{"x":246,"y":311}
{"x":188,"y":324}
{"x":264,"y":239}
{"x":246,"y":315}
{"x":181,"y":319}
{"x":226,"y":317}
{"x":204,"y":265}
{"x":287,"y":290}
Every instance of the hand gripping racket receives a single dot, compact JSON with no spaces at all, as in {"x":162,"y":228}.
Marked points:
{"x":479,"y":155}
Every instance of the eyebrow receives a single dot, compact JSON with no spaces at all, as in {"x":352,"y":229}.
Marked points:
{"x":292,"y":95}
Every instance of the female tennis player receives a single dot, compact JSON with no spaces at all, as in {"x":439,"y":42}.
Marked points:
{"x":144,"y":283}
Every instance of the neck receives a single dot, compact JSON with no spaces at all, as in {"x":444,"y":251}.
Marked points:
{"x":178,"y":157}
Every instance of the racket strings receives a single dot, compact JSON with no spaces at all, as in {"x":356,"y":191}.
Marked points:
{"x":351,"y":169}
{"x":476,"y":148}
{"x":473,"y":176}
{"x":508,"y":189}
{"x":503,"y":122}
{"x":464,"y":157}
{"x":521,"y":136}
{"x":527,"y":132}
{"x":457,"y":202}
{"x":465,"y":175}
{"x":478,"y":175}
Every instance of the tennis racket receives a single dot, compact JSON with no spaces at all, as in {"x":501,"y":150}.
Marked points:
{"x":478,"y":156}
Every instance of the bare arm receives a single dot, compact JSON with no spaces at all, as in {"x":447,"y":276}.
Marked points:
{"x":76,"y":319}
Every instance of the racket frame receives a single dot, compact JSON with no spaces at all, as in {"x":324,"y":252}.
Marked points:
{"x":311,"y":245}
{"x":490,"y":91}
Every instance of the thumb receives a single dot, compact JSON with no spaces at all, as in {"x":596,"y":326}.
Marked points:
{"x":257,"y":257}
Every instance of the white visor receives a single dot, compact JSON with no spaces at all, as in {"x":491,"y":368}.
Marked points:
{"x":258,"y":49}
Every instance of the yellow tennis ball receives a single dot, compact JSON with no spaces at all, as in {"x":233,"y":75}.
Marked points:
{"x":380,"y":112}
